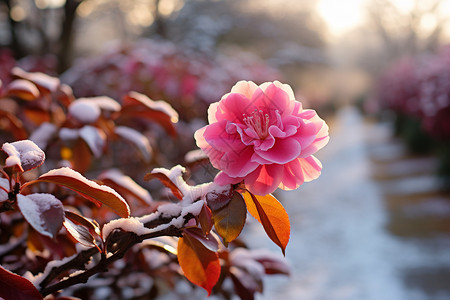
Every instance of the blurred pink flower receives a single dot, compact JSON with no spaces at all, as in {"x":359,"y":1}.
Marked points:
{"x":261,"y":135}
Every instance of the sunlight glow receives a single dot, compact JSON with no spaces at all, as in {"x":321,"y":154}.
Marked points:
{"x":341,"y":16}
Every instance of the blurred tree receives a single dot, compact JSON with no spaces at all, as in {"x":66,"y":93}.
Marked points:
{"x":405,"y":31}
{"x":41,"y":27}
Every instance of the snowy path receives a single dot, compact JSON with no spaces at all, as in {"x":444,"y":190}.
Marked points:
{"x":339,"y":247}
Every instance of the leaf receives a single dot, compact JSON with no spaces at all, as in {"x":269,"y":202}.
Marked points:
{"x":94,"y":138}
{"x":13,"y":286}
{"x":205,"y":219}
{"x":137,"y":139}
{"x":24,"y":155}
{"x":230,"y":219}
{"x":43,"y":211}
{"x":125,"y":185}
{"x":272,"y":215}
{"x":200,"y":265}
{"x":14,"y":125}
{"x":208,"y":240}
{"x":44,"y":82}
{"x":22,"y":89}
{"x":217,"y":200}
{"x":139,"y":105}
{"x":80,"y":220}
{"x":37,"y":115}
{"x":80,"y":233}
{"x":87,"y":188}
{"x":166,"y":181}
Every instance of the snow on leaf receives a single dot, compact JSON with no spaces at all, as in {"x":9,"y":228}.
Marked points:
{"x":200,"y":265}
{"x":125,"y":185}
{"x":272,"y":215}
{"x":139,"y":105}
{"x":22,"y":89}
{"x":87,"y":188}
{"x":5,"y":184}
{"x":128,"y":224}
{"x":43,"y":81}
{"x":103,"y":102}
{"x":43,"y":134}
{"x":94,"y":138}
{"x":43,"y":212}
{"x":13,"y":286}
{"x":24,"y":154}
{"x":162,"y":176}
{"x":85,"y":111}
{"x":137,"y":139}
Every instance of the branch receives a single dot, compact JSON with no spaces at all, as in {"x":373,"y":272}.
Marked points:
{"x":121,"y":243}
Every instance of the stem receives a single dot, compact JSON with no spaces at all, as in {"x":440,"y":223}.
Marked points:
{"x":126,"y":243}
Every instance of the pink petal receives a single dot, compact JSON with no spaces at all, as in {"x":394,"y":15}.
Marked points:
{"x":264,"y":180}
{"x":223,"y":179}
{"x":272,"y":98}
{"x":216,"y":136}
{"x":283,"y":151}
{"x":233,"y":108}
{"x":292,"y":176}
{"x":246,"y":88}
{"x":311,"y":168}
{"x":238,"y":163}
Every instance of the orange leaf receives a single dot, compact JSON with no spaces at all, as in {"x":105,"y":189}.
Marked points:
{"x":87,"y":188}
{"x":200,"y":265}
{"x":230,"y":220}
{"x":272,"y":215}
{"x":22,"y":89}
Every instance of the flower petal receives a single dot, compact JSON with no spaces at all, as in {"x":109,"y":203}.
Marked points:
{"x":283,"y":151}
{"x":246,"y":88}
{"x":265,"y":179}
{"x":311,"y":168}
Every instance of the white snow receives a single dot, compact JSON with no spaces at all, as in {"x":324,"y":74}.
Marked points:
{"x":103,"y":102}
{"x":24,"y":153}
{"x":159,"y":105}
{"x":195,"y":155}
{"x":127,"y":224}
{"x":95,"y":139}
{"x":137,"y":138}
{"x":126,"y":182}
{"x":68,"y":134}
{"x":4,"y":183}
{"x":42,"y":135}
{"x":34,"y":206}
{"x":67,"y":172}
{"x":85,"y":111}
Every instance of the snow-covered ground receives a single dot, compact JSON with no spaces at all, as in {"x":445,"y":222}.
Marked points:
{"x":340,"y":247}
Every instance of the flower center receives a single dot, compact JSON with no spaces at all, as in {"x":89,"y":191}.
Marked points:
{"x":259,"y":122}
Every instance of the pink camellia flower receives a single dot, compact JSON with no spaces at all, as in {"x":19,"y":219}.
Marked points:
{"x":261,"y":135}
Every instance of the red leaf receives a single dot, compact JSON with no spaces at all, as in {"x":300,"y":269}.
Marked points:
{"x":205,"y":219}
{"x":80,"y":233}
{"x":125,"y":185}
{"x":15,"y":287}
{"x":200,"y":265}
{"x":44,"y":82}
{"x":42,"y":211}
{"x":272,"y":215}
{"x":137,"y":139}
{"x":80,"y":220}
{"x":24,"y":155}
{"x":166,"y":181}
{"x":230,"y":220}
{"x":139,"y":105}
{"x":88,"y":189}
{"x":14,"y":125}
{"x":22,"y":89}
